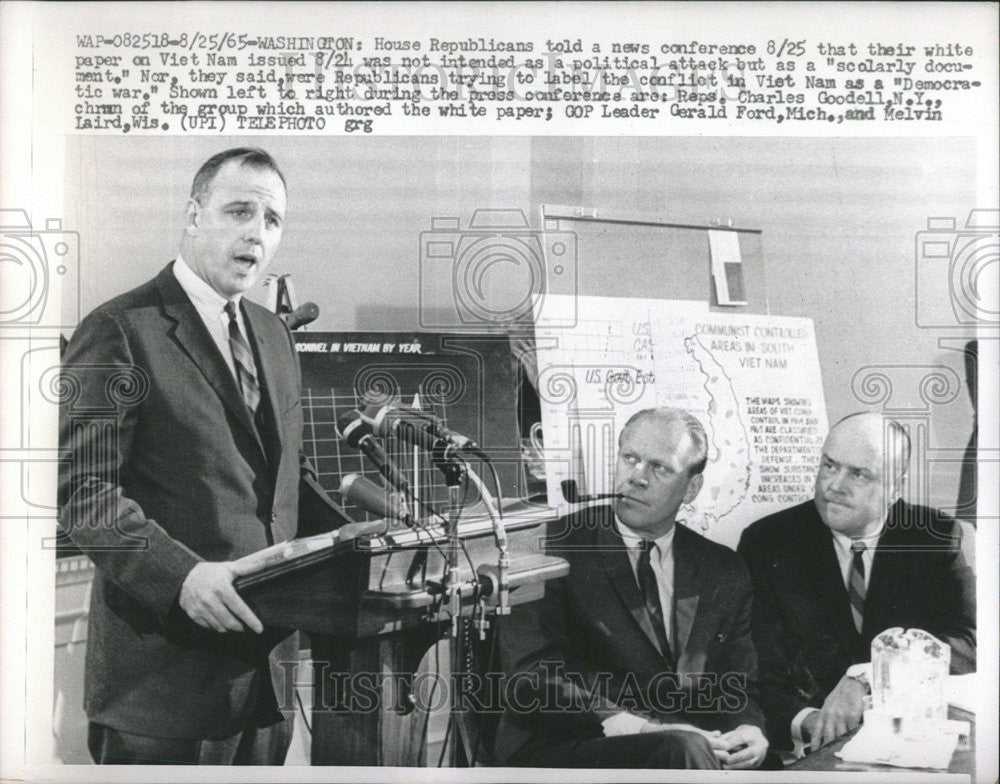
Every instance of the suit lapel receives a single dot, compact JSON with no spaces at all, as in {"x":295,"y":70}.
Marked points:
{"x":618,"y":569}
{"x":192,"y":336}
{"x":688,"y":574}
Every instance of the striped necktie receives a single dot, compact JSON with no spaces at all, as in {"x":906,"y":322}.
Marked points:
{"x":246,"y":372}
{"x":856,"y":583}
{"x":651,"y":595}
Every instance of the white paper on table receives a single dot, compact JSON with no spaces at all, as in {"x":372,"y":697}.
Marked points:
{"x":900,"y":750}
{"x":963,"y":691}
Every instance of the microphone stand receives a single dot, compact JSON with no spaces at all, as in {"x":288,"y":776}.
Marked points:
{"x":503,"y":559}
{"x":454,"y":472}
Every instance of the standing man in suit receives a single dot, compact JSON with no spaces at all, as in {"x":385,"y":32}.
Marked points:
{"x":832,"y":573}
{"x":192,"y":461}
{"x":641,"y":656}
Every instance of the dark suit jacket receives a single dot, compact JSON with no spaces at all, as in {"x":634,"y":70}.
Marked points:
{"x":802,"y":623}
{"x":163,"y":467}
{"x":586,"y":650}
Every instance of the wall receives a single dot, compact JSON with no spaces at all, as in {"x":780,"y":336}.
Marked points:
{"x":839,"y":219}
{"x":356,"y":209}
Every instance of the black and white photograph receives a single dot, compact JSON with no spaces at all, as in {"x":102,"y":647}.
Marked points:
{"x":588,"y":392}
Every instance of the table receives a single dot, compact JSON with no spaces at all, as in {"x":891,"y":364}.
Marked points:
{"x":962,"y":761}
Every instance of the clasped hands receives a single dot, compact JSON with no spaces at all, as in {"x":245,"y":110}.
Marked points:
{"x":743,"y":748}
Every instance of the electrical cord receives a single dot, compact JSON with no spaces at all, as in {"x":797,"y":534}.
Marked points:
{"x":489,"y":663}
{"x":496,"y":485}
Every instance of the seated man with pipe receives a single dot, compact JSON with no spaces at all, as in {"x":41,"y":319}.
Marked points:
{"x":641,"y":657}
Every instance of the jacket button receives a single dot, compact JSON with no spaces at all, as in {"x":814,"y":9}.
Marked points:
{"x":274,"y":516}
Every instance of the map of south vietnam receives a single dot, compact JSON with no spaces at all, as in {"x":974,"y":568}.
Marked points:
{"x":752,"y":380}
{"x":727,"y":473}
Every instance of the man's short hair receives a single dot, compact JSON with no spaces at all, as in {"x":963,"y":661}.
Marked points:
{"x":691,"y":424}
{"x":247,"y":156}
{"x":898,"y":445}
{"x":903,"y":446}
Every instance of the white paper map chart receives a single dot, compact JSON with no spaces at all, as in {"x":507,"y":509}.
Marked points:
{"x":594,"y":376}
{"x":754,"y":381}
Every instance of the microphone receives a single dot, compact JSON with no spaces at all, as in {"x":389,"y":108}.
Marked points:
{"x":306,"y":313}
{"x":353,"y":429}
{"x":572,"y":494}
{"x":356,"y":489}
{"x":411,"y":428}
{"x":430,"y":434}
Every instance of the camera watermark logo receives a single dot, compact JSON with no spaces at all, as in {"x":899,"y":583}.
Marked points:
{"x":36,"y":264}
{"x":960,"y":264}
{"x":496,"y":272}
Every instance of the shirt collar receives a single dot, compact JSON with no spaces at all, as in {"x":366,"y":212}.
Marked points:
{"x":201,"y":294}
{"x":633,"y":538}
{"x":843,"y":543}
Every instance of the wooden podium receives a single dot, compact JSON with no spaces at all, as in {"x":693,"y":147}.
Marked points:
{"x":371,"y":600}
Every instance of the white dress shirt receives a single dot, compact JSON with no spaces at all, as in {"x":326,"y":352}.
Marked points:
{"x":842,"y":546}
{"x":661,"y":558}
{"x":211,"y":305}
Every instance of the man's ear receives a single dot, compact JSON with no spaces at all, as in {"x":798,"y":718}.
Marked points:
{"x":898,"y":486}
{"x":693,"y":488}
{"x":192,"y":215}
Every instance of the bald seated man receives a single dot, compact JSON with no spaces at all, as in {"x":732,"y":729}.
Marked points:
{"x":831,"y":574}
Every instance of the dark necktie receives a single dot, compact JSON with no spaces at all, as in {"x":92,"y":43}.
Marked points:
{"x":651,"y":595}
{"x":856,"y":583}
{"x":246,"y":372}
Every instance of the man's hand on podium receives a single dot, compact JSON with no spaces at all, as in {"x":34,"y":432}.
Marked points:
{"x":208,"y":597}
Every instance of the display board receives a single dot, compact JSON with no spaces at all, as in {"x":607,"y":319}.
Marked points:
{"x":465,"y":380}
{"x":753,"y":381}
